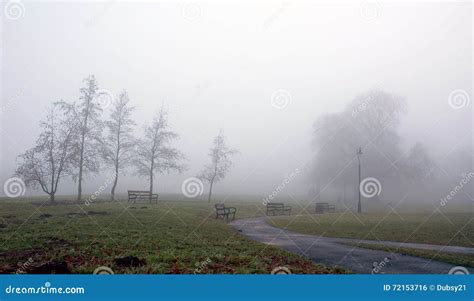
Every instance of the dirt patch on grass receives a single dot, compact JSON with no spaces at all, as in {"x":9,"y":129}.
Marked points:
{"x":53,"y":267}
{"x":20,"y":255}
{"x":14,"y":259}
{"x":75,"y":214}
{"x":7,"y":269}
{"x":98,"y":213}
{"x":129,"y":262}
{"x":82,"y":214}
{"x":44,"y":259}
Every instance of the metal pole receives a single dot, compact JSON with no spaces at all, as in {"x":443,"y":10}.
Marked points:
{"x":359,"y":209}
{"x":359,"y":205}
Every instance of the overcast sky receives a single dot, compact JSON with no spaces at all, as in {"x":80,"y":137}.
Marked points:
{"x":217,"y":65}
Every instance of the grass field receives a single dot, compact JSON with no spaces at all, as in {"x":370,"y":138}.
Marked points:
{"x":455,"y":229}
{"x":169,"y":237}
{"x":181,"y":236}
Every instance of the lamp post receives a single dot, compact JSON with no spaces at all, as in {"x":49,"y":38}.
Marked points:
{"x":359,"y":206}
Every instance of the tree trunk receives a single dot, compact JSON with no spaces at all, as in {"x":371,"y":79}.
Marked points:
{"x":151,"y":184}
{"x":117,"y":160}
{"x":81,"y":158}
{"x":210,"y":192}
{"x":52,"y":198}
{"x":344,"y":195}
{"x":79,"y":187}
{"x":81,"y":163}
{"x":115,"y":183}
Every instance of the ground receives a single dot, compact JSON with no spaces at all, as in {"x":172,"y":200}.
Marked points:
{"x":169,"y":237}
{"x":182,"y":236}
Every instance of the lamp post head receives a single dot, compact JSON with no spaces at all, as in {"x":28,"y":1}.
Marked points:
{"x":359,"y":152}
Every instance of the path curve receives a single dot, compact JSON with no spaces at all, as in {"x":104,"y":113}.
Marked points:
{"x":331,"y":252}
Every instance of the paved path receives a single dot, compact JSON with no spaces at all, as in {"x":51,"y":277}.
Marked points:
{"x":331,"y":252}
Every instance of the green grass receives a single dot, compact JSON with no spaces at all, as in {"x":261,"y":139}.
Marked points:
{"x":172,"y":237}
{"x":181,"y":235}
{"x":465,"y":260}
{"x":455,"y":229}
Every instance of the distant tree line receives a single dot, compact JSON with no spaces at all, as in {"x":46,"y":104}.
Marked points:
{"x":75,"y":141}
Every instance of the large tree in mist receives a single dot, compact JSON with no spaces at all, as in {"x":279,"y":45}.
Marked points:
{"x":370,"y":121}
{"x":54,"y":154}
{"x":88,"y":113}
{"x":417,"y":164}
{"x":221,"y":162}
{"x":154,"y":153}
{"x":119,"y":142}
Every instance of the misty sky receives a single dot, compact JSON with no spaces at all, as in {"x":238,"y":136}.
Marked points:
{"x":216,"y":66}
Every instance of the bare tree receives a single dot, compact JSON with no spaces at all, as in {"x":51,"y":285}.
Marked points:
{"x":119,"y":142}
{"x":53,"y":155}
{"x":154,"y":153}
{"x":88,"y":113}
{"x":220,"y":164}
{"x":370,"y":121}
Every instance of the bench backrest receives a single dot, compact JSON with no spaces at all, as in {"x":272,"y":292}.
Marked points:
{"x":275,"y":205}
{"x":138,"y":194}
{"x":219,"y":207}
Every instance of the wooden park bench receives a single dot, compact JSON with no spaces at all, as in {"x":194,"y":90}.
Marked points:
{"x":225,"y":212}
{"x":278,"y":209}
{"x":324,"y":207}
{"x":137,"y":196}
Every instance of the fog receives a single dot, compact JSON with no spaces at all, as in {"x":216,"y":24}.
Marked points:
{"x":217,"y":65}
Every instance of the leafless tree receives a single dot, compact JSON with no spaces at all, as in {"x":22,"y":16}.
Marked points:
{"x":370,"y":121}
{"x":88,"y":113}
{"x":221,"y":162}
{"x":118,"y":143}
{"x":54,"y":153}
{"x":154,"y":153}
